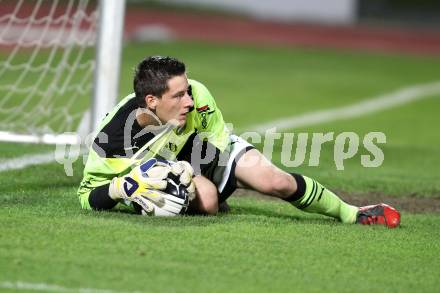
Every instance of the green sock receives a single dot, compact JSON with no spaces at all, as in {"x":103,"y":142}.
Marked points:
{"x":318,"y":199}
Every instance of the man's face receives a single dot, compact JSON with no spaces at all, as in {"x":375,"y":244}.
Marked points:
{"x":175,"y":103}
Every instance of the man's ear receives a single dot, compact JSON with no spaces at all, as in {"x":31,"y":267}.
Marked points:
{"x":151,"y":102}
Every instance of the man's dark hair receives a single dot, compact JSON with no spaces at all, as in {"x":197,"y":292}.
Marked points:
{"x":152,"y":74}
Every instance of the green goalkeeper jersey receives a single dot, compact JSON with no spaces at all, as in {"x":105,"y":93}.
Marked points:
{"x":122,"y":143}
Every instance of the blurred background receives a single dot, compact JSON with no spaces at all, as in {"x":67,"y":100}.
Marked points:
{"x":401,"y":12}
{"x":380,"y":25}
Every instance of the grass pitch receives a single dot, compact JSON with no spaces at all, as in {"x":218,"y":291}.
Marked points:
{"x":261,"y":245}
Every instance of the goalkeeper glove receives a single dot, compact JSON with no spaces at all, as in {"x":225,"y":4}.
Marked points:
{"x":141,"y":185}
{"x":184,"y":172}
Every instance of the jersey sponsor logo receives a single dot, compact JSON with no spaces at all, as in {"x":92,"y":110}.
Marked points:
{"x":172,"y":147}
{"x":204,"y":120}
{"x":203,"y":109}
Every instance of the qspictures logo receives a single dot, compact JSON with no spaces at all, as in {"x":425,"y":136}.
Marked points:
{"x":291,"y":149}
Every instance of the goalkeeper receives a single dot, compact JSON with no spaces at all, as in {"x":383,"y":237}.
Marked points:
{"x":175,"y":118}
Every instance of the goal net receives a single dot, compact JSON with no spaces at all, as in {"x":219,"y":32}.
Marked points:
{"x":47,"y":62}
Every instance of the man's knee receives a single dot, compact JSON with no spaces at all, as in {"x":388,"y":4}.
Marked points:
{"x":263,"y":176}
{"x":209,"y":205}
{"x":206,"y":201}
{"x":278,"y":183}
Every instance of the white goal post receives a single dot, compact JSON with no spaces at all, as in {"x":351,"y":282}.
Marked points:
{"x":59,"y":67}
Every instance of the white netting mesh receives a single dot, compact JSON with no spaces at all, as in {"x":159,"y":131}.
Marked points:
{"x":47,"y":60}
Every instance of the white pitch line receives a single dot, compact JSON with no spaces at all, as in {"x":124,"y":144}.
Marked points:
{"x":52,"y":288}
{"x":26,"y":160}
{"x":375,"y":104}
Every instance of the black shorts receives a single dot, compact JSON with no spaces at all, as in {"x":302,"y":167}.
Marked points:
{"x":224,"y":173}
